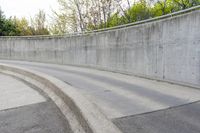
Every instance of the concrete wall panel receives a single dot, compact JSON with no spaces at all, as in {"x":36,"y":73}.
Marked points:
{"x":167,"y":49}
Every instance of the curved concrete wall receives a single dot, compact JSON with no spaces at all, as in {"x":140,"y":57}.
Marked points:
{"x":167,"y":49}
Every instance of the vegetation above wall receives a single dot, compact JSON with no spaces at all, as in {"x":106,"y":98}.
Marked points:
{"x":21,"y":27}
{"x":88,"y":15}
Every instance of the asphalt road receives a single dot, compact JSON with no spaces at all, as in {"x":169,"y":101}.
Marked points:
{"x":42,"y":117}
{"x":182,"y":119}
{"x":133,"y":104}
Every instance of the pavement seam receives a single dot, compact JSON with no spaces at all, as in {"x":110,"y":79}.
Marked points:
{"x":174,"y":107}
{"x":4,"y":110}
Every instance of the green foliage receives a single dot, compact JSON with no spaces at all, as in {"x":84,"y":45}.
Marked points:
{"x":7,"y":27}
{"x":139,"y":11}
{"x":21,"y":27}
{"x":183,"y":4}
{"x":142,"y":10}
{"x":88,"y":15}
{"x":163,"y":7}
{"x":115,"y":20}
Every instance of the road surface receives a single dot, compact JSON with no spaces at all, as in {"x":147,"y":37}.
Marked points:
{"x":133,"y":104}
{"x":24,"y":109}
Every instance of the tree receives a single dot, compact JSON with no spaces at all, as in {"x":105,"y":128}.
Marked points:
{"x":115,"y":20}
{"x":22,"y":26}
{"x":139,"y":11}
{"x":126,"y":16}
{"x":163,"y":7}
{"x":86,"y":15}
{"x":2,"y":19}
{"x":7,"y":27}
{"x":83,"y":15}
{"x":38,"y":24}
{"x":63,"y":22}
{"x":183,"y":4}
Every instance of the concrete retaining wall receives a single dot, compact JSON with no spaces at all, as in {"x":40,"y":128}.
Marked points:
{"x":167,"y":49}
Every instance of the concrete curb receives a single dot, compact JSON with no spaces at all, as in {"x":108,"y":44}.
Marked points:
{"x":82,"y":115}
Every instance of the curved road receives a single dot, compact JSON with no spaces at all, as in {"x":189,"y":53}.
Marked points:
{"x":133,"y":104}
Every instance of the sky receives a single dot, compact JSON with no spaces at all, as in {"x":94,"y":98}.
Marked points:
{"x":27,"y":8}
